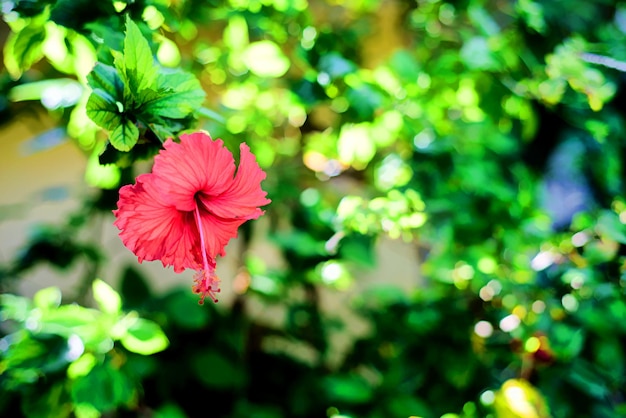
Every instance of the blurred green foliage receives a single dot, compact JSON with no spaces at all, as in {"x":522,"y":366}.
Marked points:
{"x":485,"y":134}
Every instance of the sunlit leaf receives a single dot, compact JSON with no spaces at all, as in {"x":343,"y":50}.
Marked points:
{"x":144,"y":337}
{"x":108,"y":299}
{"x":23,"y":49}
{"x":81,"y":366}
{"x":48,"y":298}
{"x":101,"y":176}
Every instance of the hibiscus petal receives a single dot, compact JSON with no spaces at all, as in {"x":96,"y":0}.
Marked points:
{"x":195,"y":164}
{"x":244,"y":196}
{"x":217,"y":232}
{"x":153,"y":229}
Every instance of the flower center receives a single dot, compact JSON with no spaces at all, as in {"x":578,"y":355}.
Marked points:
{"x":207,"y":283}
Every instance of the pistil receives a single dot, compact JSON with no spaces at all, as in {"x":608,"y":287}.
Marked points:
{"x":207,"y":283}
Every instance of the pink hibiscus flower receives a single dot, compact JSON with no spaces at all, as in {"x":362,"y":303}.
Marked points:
{"x":190,"y":206}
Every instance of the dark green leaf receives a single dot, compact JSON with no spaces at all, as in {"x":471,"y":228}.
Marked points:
{"x":105,"y":388}
{"x":183,"y":310}
{"x":215,"y":370}
{"x":133,"y":288}
{"x":105,"y":78}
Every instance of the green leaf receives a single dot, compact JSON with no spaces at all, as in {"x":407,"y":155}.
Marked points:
{"x":81,"y":366}
{"x":108,"y":299}
{"x":14,"y":307}
{"x":48,"y":298}
{"x":225,"y":373}
{"x":106,"y":79}
{"x":23,"y":49}
{"x":124,"y":136}
{"x":585,"y":376}
{"x":144,"y":337}
{"x":179,"y":95}
{"x":104,"y":111}
{"x":37,"y":404}
{"x":134,"y":288}
{"x":350,"y":389}
{"x":104,"y":388}
{"x":183,"y":310}
{"x":161,"y":131}
{"x":88,"y":324}
{"x":67,"y":318}
{"x":169,"y":410}
{"x":138,"y":64}
{"x":99,"y":175}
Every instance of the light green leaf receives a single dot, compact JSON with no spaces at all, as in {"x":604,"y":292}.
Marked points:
{"x":101,"y":176}
{"x":81,"y":366}
{"x":14,"y":307}
{"x":71,"y":319}
{"x":124,"y":136}
{"x":108,"y":299}
{"x":144,"y":337}
{"x":23,"y":49}
{"x":48,"y":298}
